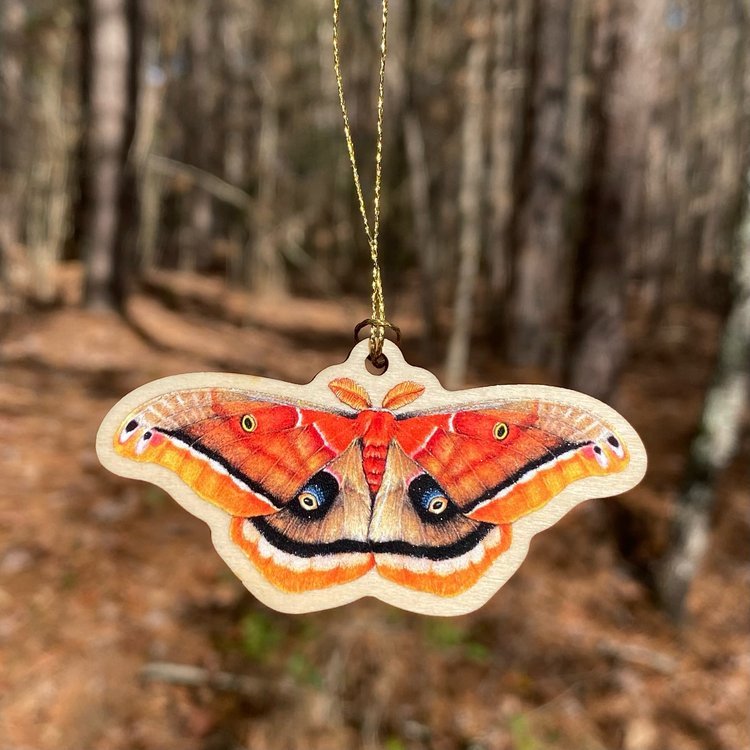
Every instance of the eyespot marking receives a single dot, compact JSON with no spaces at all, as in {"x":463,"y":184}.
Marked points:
{"x":437,"y":505}
{"x":616,"y":446}
{"x":248,"y":423}
{"x":601,"y":458}
{"x":430,"y":500}
{"x":142,"y":444}
{"x":308,"y":501}
{"x":128,"y":430}
{"x":315,"y":499}
{"x":500,"y":431}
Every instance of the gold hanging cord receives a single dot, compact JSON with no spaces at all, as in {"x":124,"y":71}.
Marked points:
{"x":377,"y":321}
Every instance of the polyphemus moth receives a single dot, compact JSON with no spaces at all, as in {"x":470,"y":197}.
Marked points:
{"x":360,"y":484}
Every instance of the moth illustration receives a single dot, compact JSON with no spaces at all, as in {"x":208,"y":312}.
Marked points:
{"x":358,"y":484}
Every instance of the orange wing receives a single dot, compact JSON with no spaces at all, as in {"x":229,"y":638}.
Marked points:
{"x":499,"y":463}
{"x":290,"y":475}
{"x":455,"y":483}
{"x":293,"y":478}
{"x":245,"y":455}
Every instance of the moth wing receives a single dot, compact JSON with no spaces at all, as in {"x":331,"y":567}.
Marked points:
{"x":443,"y":553}
{"x":319,"y":538}
{"x":501,"y":461}
{"x":243,"y":452}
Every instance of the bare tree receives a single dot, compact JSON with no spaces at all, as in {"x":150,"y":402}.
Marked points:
{"x":111,"y":38}
{"x":146,"y":142}
{"x":419,"y":180}
{"x":200,"y":134}
{"x":12,"y":19}
{"x":597,"y":342}
{"x":470,"y":198}
{"x":508,"y":73}
{"x":541,"y":284}
{"x":48,"y":138}
{"x":266,"y":271}
{"x":426,"y":241}
{"x":717,"y":437}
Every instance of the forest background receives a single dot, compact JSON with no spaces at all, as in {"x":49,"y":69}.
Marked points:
{"x":566,"y":188}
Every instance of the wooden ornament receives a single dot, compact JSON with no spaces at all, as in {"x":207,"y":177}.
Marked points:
{"x":370,"y":485}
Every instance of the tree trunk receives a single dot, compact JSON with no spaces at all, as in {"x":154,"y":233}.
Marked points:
{"x":267,"y":273}
{"x":470,"y":200}
{"x":419,"y":182}
{"x":236,"y":100}
{"x":111,"y":37}
{"x":200,"y":139}
{"x":503,"y":117}
{"x":46,"y":188}
{"x":659,"y":188}
{"x":541,"y":283}
{"x":419,"y":185}
{"x":717,"y":438}
{"x":12,"y":19}
{"x":129,"y":204}
{"x":597,"y":344}
{"x":148,"y":141}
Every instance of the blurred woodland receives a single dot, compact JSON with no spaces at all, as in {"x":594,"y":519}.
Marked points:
{"x":566,"y":198}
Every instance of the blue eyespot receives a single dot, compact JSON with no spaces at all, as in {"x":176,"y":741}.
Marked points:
{"x":315,"y":498}
{"x":430,"y":500}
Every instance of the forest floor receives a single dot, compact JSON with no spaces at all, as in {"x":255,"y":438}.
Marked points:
{"x":100,"y":576}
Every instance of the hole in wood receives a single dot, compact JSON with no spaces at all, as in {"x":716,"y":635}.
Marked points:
{"x":376,"y":365}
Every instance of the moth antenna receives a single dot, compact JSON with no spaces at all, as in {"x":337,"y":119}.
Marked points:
{"x":350,"y":393}
{"x":402,"y":394}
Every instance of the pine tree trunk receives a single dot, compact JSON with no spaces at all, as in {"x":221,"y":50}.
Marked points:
{"x":470,"y":200}
{"x":12,"y":19}
{"x":46,"y":186}
{"x":503,"y":115}
{"x":129,"y":203}
{"x":110,"y":36}
{"x":541,"y":283}
{"x":267,"y":272}
{"x":597,"y":343}
{"x":148,"y":141}
{"x":716,"y":440}
{"x":419,"y":183}
{"x":200,"y":138}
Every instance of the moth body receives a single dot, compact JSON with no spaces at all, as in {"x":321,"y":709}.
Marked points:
{"x":378,"y":429}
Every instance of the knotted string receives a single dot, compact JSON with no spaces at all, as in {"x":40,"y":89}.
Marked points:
{"x":377,"y":321}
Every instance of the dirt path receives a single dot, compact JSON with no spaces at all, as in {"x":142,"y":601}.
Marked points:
{"x":100,"y":576}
